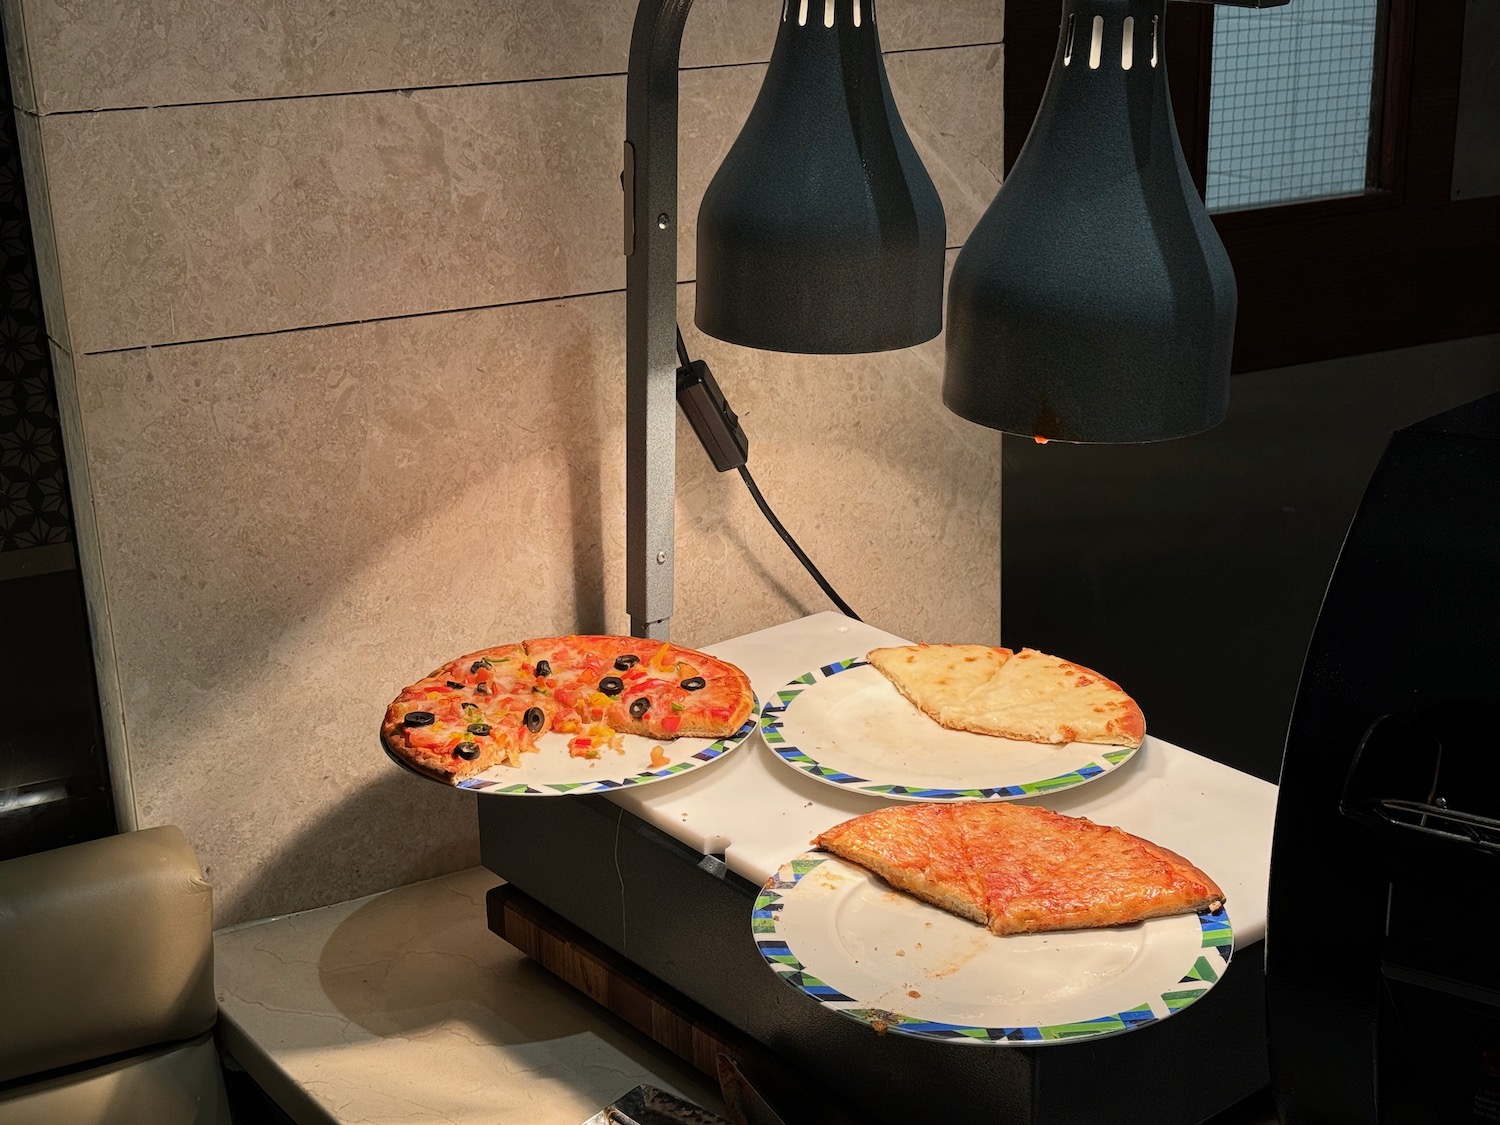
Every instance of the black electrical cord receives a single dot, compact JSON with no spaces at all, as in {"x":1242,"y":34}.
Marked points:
{"x":786,"y":537}
{"x":765,"y":510}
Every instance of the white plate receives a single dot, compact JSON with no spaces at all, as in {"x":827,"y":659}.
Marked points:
{"x":846,"y":724}
{"x":552,"y":772}
{"x":838,"y":934}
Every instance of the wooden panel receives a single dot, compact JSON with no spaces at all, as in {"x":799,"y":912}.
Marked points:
{"x":687,"y":1029}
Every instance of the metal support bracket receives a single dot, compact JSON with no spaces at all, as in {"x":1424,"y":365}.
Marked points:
{"x":649,"y":180}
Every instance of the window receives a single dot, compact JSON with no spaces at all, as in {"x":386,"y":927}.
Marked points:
{"x":1290,"y":102}
{"x":1399,"y":264}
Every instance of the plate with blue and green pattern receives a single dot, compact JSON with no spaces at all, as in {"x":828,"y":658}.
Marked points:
{"x":846,"y":725}
{"x":554,"y":772}
{"x":848,"y":941}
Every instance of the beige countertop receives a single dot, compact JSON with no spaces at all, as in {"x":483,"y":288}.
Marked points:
{"x":404,"y":1007}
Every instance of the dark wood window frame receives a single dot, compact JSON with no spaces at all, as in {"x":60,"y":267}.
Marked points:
{"x":1400,"y":265}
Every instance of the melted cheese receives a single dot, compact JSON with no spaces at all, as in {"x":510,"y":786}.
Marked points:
{"x":1025,"y":695}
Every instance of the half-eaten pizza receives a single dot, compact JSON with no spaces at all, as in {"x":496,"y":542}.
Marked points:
{"x":1026,"y":695}
{"x":491,"y":706}
{"x":1020,"y":868}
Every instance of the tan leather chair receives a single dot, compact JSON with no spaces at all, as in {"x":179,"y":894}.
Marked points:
{"x":107,"y":999}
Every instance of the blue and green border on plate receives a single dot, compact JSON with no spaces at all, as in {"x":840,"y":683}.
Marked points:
{"x":611,"y":785}
{"x":1215,"y":950}
{"x":774,"y":711}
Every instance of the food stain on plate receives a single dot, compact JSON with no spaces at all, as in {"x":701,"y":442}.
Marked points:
{"x":830,"y":878}
{"x":958,"y":958}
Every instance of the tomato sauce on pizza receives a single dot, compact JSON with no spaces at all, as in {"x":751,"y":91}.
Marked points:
{"x":1021,"y":868}
{"x":490,"y":707}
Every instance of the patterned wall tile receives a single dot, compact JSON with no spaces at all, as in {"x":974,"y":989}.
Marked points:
{"x":33,"y":488}
{"x":311,"y":494}
{"x":300,"y":524}
{"x":227,"y":220}
{"x":88,"y":56}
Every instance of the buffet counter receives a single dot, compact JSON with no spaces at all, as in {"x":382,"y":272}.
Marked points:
{"x":403,"y":1007}
{"x":756,"y":812}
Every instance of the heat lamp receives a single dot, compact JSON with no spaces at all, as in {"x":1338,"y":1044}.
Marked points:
{"x":1092,"y":303}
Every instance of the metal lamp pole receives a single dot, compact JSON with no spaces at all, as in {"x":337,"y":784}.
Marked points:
{"x":650,"y":182}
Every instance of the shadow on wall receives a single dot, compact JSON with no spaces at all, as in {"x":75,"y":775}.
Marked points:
{"x":345,"y":540}
{"x":338,"y":841}
{"x":585,"y":504}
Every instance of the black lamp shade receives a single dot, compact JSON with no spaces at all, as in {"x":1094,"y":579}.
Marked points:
{"x":1094,"y":301}
{"x":821,"y":231}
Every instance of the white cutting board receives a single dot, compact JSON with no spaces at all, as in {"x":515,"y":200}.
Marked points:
{"x":758,"y":812}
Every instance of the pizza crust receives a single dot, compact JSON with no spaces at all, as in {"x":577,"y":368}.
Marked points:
{"x":1022,"y":868}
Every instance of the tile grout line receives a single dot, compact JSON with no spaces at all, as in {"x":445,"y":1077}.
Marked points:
{"x":408,"y":90}
{"x":379,"y":319}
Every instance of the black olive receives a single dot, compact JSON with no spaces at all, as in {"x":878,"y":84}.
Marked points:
{"x":543,"y":668}
{"x":468,"y":751}
{"x":478,"y":728}
{"x":639,"y":707}
{"x":611,"y":685}
{"x":480,"y":689}
{"x":534,"y":719}
{"x":692,"y":683}
{"x":482,"y":662}
{"x":419,"y":719}
{"x":626,"y":662}
{"x":455,"y":685}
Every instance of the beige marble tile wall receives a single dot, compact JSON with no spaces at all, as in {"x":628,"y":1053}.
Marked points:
{"x":335,"y":298}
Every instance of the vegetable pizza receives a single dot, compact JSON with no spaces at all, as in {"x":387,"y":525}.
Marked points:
{"x":490,"y":707}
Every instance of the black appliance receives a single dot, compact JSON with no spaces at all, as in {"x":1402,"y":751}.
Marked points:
{"x":1382,"y":945}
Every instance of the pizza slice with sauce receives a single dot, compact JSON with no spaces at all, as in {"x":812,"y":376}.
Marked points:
{"x":1021,"y":868}
{"x":501,"y":670}
{"x":645,"y":687}
{"x":490,"y":706}
{"x":454,"y":732}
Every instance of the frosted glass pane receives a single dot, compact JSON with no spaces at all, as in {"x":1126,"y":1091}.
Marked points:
{"x":1289,"y":102}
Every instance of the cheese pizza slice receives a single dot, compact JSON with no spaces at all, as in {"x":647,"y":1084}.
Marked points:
{"x":935,"y":677}
{"x":1026,"y":695}
{"x":1020,"y":868}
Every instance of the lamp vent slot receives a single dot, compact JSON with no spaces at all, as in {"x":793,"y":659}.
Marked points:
{"x":1096,"y":45}
{"x":1127,"y":46}
{"x":1153,"y":40}
{"x":830,"y":11}
{"x":1068,"y":40}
